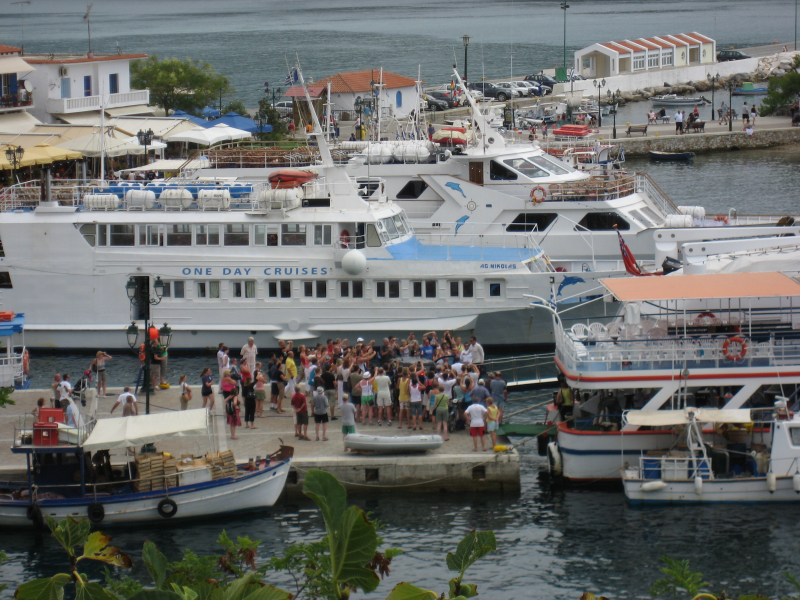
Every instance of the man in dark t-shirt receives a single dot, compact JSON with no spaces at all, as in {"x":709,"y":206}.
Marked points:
{"x":300,"y":407}
{"x":329,"y":384}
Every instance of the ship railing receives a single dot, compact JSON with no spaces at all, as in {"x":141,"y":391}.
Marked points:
{"x":523,"y":369}
{"x":649,"y":188}
{"x":68,"y":436}
{"x":596,"y":187}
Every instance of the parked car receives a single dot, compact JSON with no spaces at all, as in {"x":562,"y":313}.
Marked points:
{"x":726,"y":55}
{"x":435,"y":103}
{"x":444,"y":97}
{"x":533,"y":87}
{"x":544,"y":81}
{"x":517,"y":90}
{"x":490,"y":90}
{"x":445,"y":88}
{"x":285,"y":108}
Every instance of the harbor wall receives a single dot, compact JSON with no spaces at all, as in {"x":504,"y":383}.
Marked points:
{"x":432,"y":473}
{"x":658,"y":77}
{"x":708,"y":142}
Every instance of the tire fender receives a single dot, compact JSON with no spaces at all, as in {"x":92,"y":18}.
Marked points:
{"x":167,"y":508}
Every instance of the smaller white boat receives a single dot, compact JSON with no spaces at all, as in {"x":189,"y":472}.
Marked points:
{"x":393,"y":443}
{"x":675,"y":100}
{"x":693,"y":474}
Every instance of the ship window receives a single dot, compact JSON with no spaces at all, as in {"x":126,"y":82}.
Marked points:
{"x":465,"y":287}
{"x":179,"y":235}
{"x":282,"y":287}
{"x":322,"y":235}
{"x":89,"y":232}
{"x":527,"y":168}
{"x":552,"y":164}
{"x":354,"y":289}
{"x":5,"y":280}
{"x":531,"y":222}
{"x":373,"y":239}
{"x":122,"y":235}
{"x":318,"y":289}
{"x":206,"y":235}
{"x":390,"y":289}
{"x":148,"y":235}
{"x":401,"y":227}
{"x":102,"y":235}
{"x":429,"y":287}
{"x":412,"y":190}
{"x":794,"y":432}
{"x":495,"y":290}
{"x":178,"y":289}
{"x":201,"y":289}
{"x":208,"y":289}
{"x":266,"y":235}
{"x":167,"y":293}
{"x":498,"y":172}
{"x":237,"y":235}
{"x":293,"y":235}
{"x":244,"y":289}
{"x":603,"y":221}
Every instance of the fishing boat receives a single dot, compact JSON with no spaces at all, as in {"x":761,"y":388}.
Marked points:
{"x":670,"y":156}
{"x":721,"y":339}
{"x":748,"y":89}
{"x":695,"y":472}
{"x":675,"y":100}
{"x":69,"y":472}
{"x":394,"y":444}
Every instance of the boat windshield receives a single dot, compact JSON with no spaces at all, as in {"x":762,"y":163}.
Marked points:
{"x":393,"y":227}
{"x":527,"y":168}
{"x":552,"y":165}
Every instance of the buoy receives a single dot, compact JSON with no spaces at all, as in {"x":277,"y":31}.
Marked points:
{"x":653,"y":486}
{"x":796,"y":482}
{"x":500,"y":448}
{"x":698,"y":485}
{"x":772,"y":482}
{"x":554,"y":459}
{"x":163,"y":386}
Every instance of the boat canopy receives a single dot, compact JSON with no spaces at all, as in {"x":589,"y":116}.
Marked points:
{"x":712,"y":286}
{"x":15,"y":325}
{"x":661,"y":418}
{"x":145,"y":429}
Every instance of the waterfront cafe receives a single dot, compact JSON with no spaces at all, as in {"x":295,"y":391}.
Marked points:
{"x":608,"y":59}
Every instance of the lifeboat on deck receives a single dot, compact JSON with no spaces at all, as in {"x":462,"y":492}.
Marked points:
{"x":290,"y":178}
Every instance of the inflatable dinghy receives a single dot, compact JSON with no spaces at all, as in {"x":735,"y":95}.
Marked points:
{"x":393,"y":443}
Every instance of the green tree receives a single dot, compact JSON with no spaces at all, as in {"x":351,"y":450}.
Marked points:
{"x":176,"y":84}
{"x":268,"y":112}
{"x":782,"y":91}
{"x":236,"y":106}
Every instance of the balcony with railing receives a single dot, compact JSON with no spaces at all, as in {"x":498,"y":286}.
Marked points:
{"x":84,"y":103}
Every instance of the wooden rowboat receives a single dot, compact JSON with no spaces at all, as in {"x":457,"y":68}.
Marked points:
{"x":656,"y":155}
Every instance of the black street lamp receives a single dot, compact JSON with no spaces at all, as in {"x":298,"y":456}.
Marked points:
{"x":613,"y":98}
{"x":599,"y":85}
{"x":145,"y":139}
{"x":14,"y":156}
{"x":730,"y":103}
{"x":564,"y":7}
{"x":713,"y":79}
{"x":465,"y":38}
{"x":260,"y":124}
{"x":132,"y":332}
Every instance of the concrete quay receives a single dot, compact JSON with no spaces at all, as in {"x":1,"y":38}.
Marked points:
{"x":452,"y":468}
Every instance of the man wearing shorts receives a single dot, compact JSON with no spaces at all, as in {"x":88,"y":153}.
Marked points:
{"x":320,"y":401}
{"x":475,"y":415}
{"x":348,"y":417}
{"x":383,"y":396}
{"x":499,"y":390}
{"x":300,"y":407}
{"x":367,"y":397}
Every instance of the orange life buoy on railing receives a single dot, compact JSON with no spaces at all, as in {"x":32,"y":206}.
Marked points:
{"x":538,"y":194}
{"x":344,"y":240}
{"x":709,"y":314}
{"x":738,"y":356}
{"x":26,"y":361}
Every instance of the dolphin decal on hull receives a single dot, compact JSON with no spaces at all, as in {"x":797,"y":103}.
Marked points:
{"x":460,"y":222}
{"x":569,"y":280}
{"x":456,"y":187}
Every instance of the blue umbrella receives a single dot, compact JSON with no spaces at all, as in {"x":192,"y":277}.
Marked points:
{"x":233,"y":119}
{"x":196,"y":120}
{"x":210,"y":113}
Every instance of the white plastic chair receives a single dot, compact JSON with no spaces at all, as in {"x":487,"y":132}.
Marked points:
{"x":646,"y":326}
{"x":615,"y":329}
{"x":598,"y":331}
{"x":580,"y":331}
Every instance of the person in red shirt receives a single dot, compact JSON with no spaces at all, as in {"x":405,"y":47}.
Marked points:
{"x":300,"y":407}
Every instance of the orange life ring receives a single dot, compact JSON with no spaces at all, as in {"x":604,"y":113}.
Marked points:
{"x":742,"y":352}
{"x":344,"y":239}
{"x":707,"y":314}
{"x":26,"y":361}
{"x":538,"y":194}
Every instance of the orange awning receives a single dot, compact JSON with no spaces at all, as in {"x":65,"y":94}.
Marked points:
{"x":715,"y":286}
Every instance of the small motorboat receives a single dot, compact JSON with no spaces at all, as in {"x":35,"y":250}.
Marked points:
{"x":393,"y":443}
{"x":656,"y":155}
{"x":675,"y":100}
{"x":748,"y":89}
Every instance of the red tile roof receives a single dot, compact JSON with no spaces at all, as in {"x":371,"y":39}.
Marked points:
{"x":67,"y":60}
{"x":9,"y":49}
{"x":700,"y":37}
{"x":680,"y":39}
{"x":359,"y":81}
{"x":685,"y":38}
{"x":314,"y":90}
{"x":661,"y":43}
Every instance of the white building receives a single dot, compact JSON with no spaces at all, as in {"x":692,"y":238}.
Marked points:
{"x":72,"y":88}
{"x":15,"y":100}
{"x":608,"y":59}
{"x":398,"y":95}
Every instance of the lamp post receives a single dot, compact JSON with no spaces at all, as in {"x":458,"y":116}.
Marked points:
{"x":132,"y":332}
{"x":260,"y":125}
{"x":145,"y":139}
{"x":564,"y":7}
{"x":730,"y":103}
{"x":599,"y":85}
{"x":14,"y":156}
{"x":713,"y":79}
{"x":465,"y":38}
{"x":613,"y":97}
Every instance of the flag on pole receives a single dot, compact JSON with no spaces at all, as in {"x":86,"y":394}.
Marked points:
{"x":631,"y":266}
{"x":552,"y":302}
{"x":288,"y":80}
{"x":571,"y":73}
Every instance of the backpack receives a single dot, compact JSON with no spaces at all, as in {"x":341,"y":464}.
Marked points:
{"x":229,"y":409}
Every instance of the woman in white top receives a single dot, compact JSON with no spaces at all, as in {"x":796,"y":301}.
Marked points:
{"x":447,"y":380}
{"x":415,"y":396}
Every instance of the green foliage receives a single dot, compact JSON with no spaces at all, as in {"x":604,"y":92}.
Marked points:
{"x":267,"y":112}
{"x":407,"y":591}
{"x":176,"y":84}
{"x":5,"y":397}
{"x":236,"y":106}
{"x":156,"y":564}
{"x":3,"y":559}
{"x":782,"y":91}
{"x":123,"y":587}
{"x":475,"y":545}
{"x":678,"y":578}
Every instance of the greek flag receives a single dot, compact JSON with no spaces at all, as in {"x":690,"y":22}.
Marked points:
{"x":571,"y":73}
{"x":553,"y":297}
{"x":288,"y":80}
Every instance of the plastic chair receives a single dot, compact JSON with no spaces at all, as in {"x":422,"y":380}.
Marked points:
{"x":580,"y":331}
{"x":646,"y":326}
{"x":615,"y":329}
{"x":598,"y":331}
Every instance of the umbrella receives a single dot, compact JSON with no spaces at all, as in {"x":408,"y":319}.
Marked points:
{"x":116,"y":144}
{"x":210,"y":113}
{"x":40,"y":154}
{"x":213,"y":135}
{"x":233,"y":119}
{"x":196,"y":120}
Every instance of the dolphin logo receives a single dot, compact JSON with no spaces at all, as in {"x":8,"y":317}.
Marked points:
{"x":460,"y":222}
{"x":456,"y":187}
{"x":569,"y":281}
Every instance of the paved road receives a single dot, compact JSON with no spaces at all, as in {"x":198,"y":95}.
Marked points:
{"x":758,"y":51}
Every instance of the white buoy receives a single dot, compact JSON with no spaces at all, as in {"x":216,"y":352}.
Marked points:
{"x":772,"y":482}
{"x":354,"y":262}
{"x":796,"y":482}
{"x":653,"y":486}
{"x":698,"y":485}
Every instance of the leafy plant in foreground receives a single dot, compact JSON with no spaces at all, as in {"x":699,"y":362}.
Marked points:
{"x":678,"y":578}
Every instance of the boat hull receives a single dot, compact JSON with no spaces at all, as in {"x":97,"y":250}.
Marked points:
{"x":750,"y":489}
{"x":254,"y":491}
{"x":394,"y":444}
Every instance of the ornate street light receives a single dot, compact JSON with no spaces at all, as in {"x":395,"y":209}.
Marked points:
{"x":564,"y":7}
{"x":599,"y":85}
{"x":465,"y":39}
{"x":14,"y":156}
{"x":713,"y":79}
{"x":613,"y":98}
{"x":145,"y":139}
